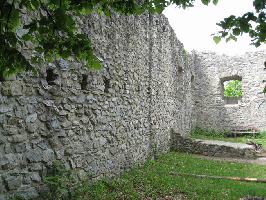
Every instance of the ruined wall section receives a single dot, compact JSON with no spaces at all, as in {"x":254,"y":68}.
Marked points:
{"x":211,"y":109}
{"x":171,"y":96}
{"x":97,"y":122}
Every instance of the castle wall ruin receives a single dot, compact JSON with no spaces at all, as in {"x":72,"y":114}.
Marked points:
{"x":213,"y":111}
{"x":97,"y":122}
{"x":104,"y":122}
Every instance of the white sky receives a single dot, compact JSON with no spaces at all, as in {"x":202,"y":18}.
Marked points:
{"x":194,"y":26}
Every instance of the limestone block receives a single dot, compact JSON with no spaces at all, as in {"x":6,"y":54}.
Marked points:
{"x":5,"y":109}
{"x":12,"y":88}
{"x":13,"y":182}
{"x":31,"y":118}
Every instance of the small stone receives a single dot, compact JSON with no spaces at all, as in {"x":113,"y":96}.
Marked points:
{"x":38,"y":155}
{"x":31,"y":118}
{"x":2,"y":187}
{"x":10,"y":130}
{"x":64,"y":65}
{"x":48,"y":103}
{"x":12,"y":88}
{"x":13,"y":182}
{"x":17,"y":138}
{"x":27,"y":192}
{"x":53,"y":124}
{"x":20,"y":148}
{"x":102,"y":141}
{"x":31,"y":108}
{"x":32,"y":127}
{"x":5,"y":109}
{"x":35,"y":177}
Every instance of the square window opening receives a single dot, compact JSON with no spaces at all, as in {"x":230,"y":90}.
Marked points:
{"x":232,"y":89}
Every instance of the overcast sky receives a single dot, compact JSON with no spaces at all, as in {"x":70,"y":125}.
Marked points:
{"x":194,"y":26}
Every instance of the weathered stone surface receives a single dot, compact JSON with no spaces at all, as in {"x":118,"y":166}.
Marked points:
{"x":13,"y":182}
{"x":211,"y":109}
{"x":12,"y":88}
{"x":106,"y":121}
{"x":31,"y":118}
{"x":5,"y":109}
{"x":17,"y":138}
{"x":2,"y":187}
{"x":27,"y":192}
{"x":9,"y":129}
{"x":39,"y":155}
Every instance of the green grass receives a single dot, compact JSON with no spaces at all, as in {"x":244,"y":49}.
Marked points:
{"x":154,"y":180}
{"x":214,"y":135}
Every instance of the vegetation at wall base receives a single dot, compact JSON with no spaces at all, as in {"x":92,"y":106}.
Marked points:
{"x":155,"y":180}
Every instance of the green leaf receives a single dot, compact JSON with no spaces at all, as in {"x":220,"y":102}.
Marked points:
{"x":205,"y":2}
{"x":26,"y":37}
{"x":216,"y":39}
{"x":236,"y":31}
{"x":215,"y":2}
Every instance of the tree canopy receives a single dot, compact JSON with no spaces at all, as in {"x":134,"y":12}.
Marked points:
{"x":52,"y":30}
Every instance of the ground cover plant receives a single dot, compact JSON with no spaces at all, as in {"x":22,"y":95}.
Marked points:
{"x":157,"y":179}
{"x":199,"y":133}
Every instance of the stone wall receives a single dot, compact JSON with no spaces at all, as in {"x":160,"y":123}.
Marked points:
{"x":104,"y":122}
{"x":98,"y":122}
{"x":212,"y":111}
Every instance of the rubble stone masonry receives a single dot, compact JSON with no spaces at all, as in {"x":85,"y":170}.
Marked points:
{"x":104,"y":122}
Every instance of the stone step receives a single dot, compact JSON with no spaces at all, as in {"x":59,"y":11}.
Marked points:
{"x":226,"y":144}
{"x":215,"y":148}
{"x":241,"y":133}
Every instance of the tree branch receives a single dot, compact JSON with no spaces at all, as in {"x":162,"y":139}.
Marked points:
{"x":49,"y":15}
{"x":1,"y":12}
{"x":8,"y":16}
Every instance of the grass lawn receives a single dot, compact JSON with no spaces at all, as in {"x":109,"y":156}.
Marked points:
{"x":154,"y":180}
{"x":212,"y":135}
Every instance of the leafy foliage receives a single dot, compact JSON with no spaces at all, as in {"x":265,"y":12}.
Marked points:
{"x":253,"y":24}
{"x":233,"y":88}
{"x":52,"y":31}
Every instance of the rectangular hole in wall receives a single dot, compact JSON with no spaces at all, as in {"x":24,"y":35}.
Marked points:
{"x":232,"y":89}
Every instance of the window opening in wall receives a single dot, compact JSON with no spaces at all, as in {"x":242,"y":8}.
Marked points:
{"x":106,"y":82}
{"x":192,"y":78}
{"x":149,"y":90}
{"x":51,"y":76}
{"x":84,"y":82}
{"x":137,"y":88}
{"x":265,"y":65}
{"x":232,"y":89}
